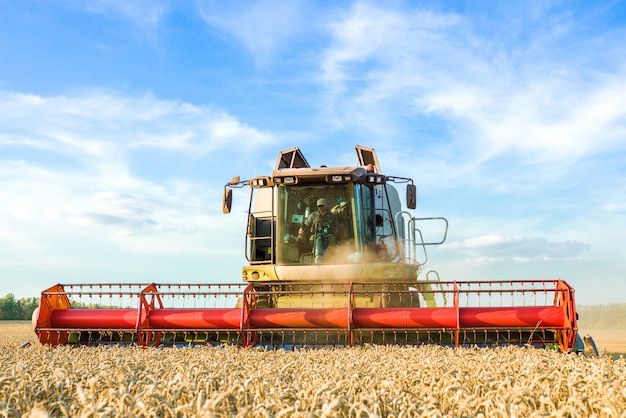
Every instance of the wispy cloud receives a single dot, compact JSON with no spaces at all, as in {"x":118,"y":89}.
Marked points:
{"x":70,"y":170}
{"x":378,"y":57}
{"x":517,"y":248}
{"x":144,"y":13}
{"x":263,"y":27}
{"x":500,"y":97}
{"x":107,"y":126}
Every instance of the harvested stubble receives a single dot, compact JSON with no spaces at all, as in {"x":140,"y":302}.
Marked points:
{"x":361,"y":382}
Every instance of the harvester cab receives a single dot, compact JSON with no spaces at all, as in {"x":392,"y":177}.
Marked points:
{"x":333,"y":258}
{"x":333,"y":224}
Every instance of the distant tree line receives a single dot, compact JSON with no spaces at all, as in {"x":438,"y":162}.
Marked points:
{"x":11,"y":308}
{"x":20,"y":309}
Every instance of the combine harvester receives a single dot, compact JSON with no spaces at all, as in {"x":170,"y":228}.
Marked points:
{"x":333,"y":259}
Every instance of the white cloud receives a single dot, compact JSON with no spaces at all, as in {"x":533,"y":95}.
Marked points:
{"x":383,"y":38}
{"x":77,"y":198}
{"x":516,"y":248}
{"x":263,"y":27}
{"x":144,"y":13}
{"x":547,"y":122}
{"x":506,"y":95}
{"x":615,"y":207}
{"x":99,"y":125}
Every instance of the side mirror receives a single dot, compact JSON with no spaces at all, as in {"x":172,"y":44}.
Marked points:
{"x":227,"y":202}
{"x":411,"y":196}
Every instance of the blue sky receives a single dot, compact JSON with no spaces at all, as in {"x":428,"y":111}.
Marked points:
{"x":120,"y":122}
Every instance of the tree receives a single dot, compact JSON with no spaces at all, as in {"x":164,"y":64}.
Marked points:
{"x":10,"y":308}
{"x":27,"y":306}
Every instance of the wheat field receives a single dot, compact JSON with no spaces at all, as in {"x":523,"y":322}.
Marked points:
{"x":371,"y":381}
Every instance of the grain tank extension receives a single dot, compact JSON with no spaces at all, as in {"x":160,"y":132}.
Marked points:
{"x":333,"y":258}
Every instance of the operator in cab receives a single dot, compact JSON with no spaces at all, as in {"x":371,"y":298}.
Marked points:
{"x":322,"y":226}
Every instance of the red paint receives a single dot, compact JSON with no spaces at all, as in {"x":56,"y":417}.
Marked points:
{"x":404,"y":318}
{"x":195,"y":318}
{"x":541,"y":317}
{"x":56,"y":317}
{"x":299,"y":318}
{"x":80,"y":319}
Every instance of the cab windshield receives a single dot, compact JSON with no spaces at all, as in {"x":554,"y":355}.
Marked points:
{"x":316,"y":224}
{"x":333,"y":224}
